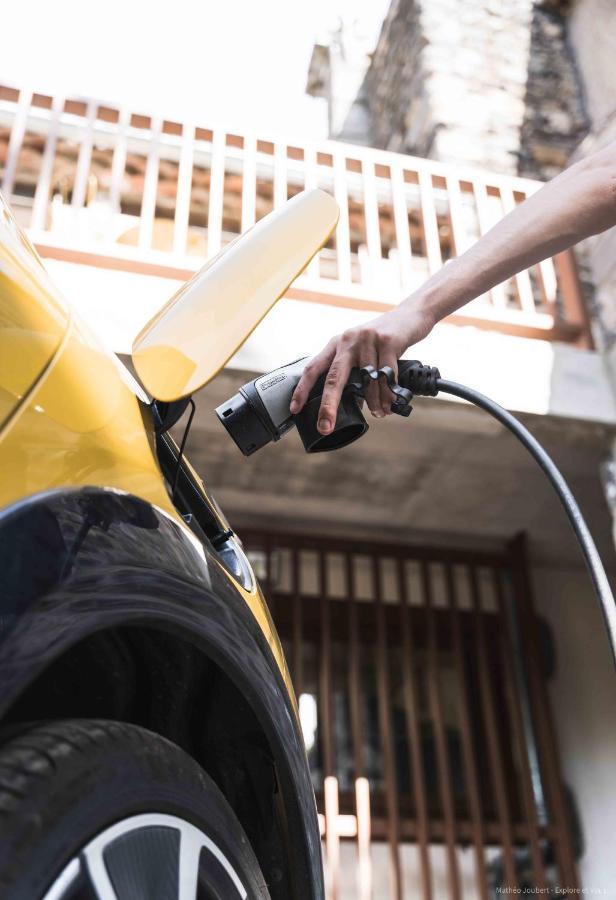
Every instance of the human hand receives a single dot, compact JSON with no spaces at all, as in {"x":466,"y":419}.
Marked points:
{"x":380,"y":342}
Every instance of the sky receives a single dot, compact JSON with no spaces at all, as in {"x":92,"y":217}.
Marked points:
{"x":236,"y":63}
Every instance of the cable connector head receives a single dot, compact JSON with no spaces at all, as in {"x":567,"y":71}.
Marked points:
{"x":421,"y":380}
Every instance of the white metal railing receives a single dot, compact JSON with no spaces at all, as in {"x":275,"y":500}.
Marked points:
{"x":104,"y":186}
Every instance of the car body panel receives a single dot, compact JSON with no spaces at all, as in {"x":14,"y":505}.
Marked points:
{"x":78,"y":421}
{"x":33,"y":318}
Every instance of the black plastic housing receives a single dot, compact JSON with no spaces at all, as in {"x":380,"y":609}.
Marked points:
{"x":243,"y":424}
{"x":350,"y":425}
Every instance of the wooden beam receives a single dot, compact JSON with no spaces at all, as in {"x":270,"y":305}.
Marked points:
{"x":413,"y":734}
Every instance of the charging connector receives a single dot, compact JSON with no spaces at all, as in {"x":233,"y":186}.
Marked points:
{"x":421,"y":380}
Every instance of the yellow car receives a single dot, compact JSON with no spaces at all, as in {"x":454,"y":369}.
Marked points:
{"x":149,"y":740}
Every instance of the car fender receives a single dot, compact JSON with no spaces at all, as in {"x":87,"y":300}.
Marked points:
{"x":78,"y":561}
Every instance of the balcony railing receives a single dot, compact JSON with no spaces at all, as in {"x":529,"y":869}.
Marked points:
{"x":101,"y":185}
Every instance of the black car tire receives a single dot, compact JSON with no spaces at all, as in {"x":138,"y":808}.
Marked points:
{"x":65,"y":786}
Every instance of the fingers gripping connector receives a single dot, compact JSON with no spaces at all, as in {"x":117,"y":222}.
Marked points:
{"x":401,"y":405}
{"x":413,"y":379}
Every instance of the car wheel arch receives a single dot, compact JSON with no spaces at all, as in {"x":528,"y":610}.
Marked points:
{"x":181,"y":628}
{"x":189,"y":700}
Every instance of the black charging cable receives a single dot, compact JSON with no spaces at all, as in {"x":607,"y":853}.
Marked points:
{"x":178,"y":465}
{"x":424,"y":381}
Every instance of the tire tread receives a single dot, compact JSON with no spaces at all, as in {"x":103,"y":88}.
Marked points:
{"x":32,"y":762}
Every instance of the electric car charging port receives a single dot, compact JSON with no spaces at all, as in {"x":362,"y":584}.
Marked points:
{"x":198,"y":514}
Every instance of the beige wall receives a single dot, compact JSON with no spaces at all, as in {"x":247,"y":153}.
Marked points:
{"x":592,"y":32}
{"x":583,"y":697}
{"x":592,"y":35}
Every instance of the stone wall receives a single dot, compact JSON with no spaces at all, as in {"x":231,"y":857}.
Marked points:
{"x":484,"y":82}
{"x":555,"y":118}
{"x":395,"y":87}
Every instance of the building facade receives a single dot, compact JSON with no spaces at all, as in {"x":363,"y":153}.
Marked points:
{"x":520,"y":88}
{"x":454,"y":682}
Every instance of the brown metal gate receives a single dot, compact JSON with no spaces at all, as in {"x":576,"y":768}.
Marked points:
{"x":424,"y":707}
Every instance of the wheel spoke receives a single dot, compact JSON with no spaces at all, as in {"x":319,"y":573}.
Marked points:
{"x":151,"y":856}
{"x":64,"y":881}
{"x":190,"y":849}
{"x":98,"y":872}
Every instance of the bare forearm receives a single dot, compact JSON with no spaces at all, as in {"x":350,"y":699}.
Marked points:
{"x":580,"y":202}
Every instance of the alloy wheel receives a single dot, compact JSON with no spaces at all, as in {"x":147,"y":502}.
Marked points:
{"x":149,"y":857}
